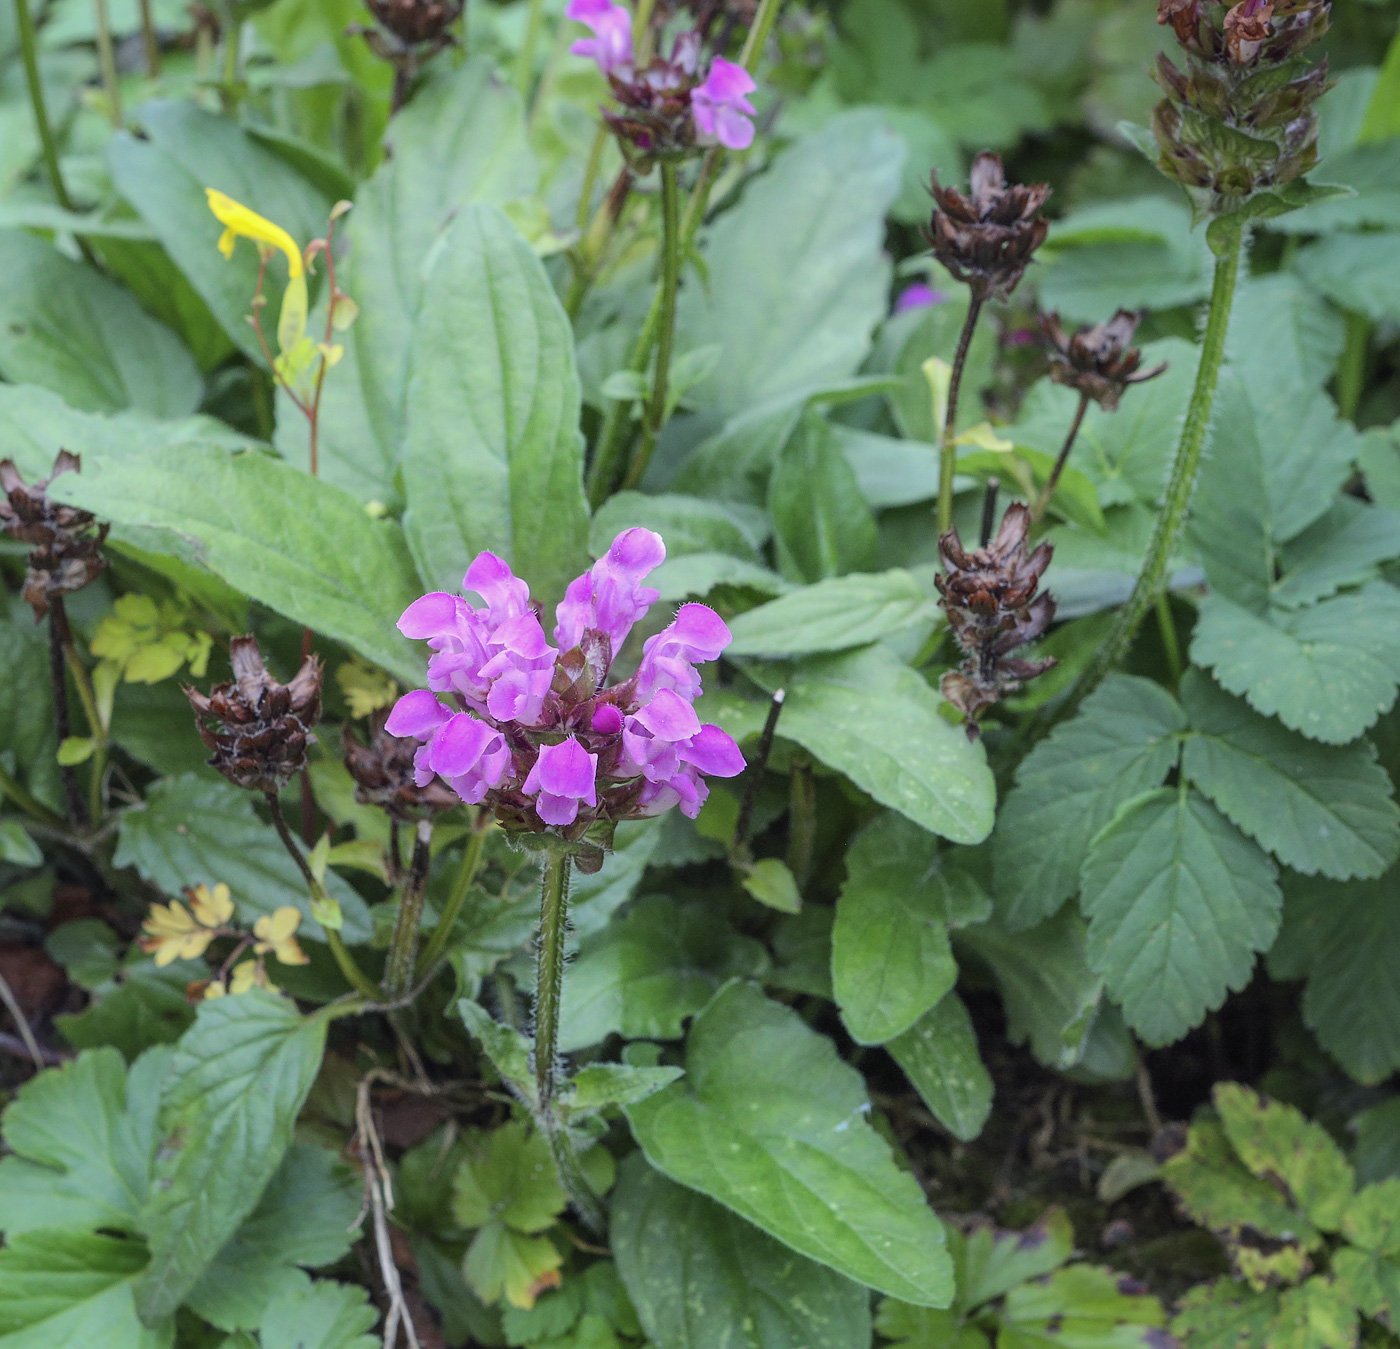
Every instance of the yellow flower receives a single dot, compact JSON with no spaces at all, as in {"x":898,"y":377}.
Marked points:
{"x":249,"y":974}
{"x":239,"y":222}
{"x":176,"y":933}
{"x":276,"y":933}
{"x":212,"y":908}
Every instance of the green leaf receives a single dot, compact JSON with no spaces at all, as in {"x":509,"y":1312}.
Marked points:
{"x":1346,"y":936}
{"x":890,"y":471}
{"x":1123,"y":741}
{"x":192,"y":831}
{"x":1309,"y":452}
{"x":305,"y":1217}
{"x":501,"y":1262}
{"x":769,"y":1122}
{"x":72,"y":1290}
{"x":17,"y":848}
{"x":599,"y":1085}
{"x":1316,"y":807}
{"x":319,"y":1315}
{"x":688,"y":524}
{"x":991,"y":1262}
{"x":302,"y":547}
{"x":1050,"y":993}
{"x":1317,"y":1315}
{"x":939,"y":1056}
{"x":1356,"y":271}
{"x":870,"y":716}
{"x":823,"y":527}
{"x":1224,"y":1315}
{"x":1340,"y":548}
{"x":507,"y":1174}
{"x":1178,"y":904}
{"x":833,"y":615}
{"x":66,"y":327}
{"x":508,"y":1050}
{"x":770,"y":882}
{"x":702,"y":1278}
{"x":1079,"y":1307}
{"x":493,"y":457}
{"x":890,"y":957}
{"x":76,"y":749}
{"x":28,"y":744}
{"x":921,"y":1328}
{"x":460,"y":139}
{"x":163,"y":174}
{"x":83,"y":1137}
{"x":1223,"y":232}
{"x":1328,"y":671}
{"x":905,"y":342}
{"x":797,"y":277}
{"x":1279,"y":1144}
{"x":1283,"y":337}
{"x":236,"y":1084}
{"x":653,"y":966}
{"x":139,"y":1007}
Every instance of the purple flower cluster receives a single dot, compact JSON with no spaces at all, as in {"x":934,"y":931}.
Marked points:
{"x":533,"y":728}
{"x":716,"y":108}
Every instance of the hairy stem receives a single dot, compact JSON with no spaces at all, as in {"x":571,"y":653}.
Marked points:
{"x":461,"y":886}
{"x":655,"y":416}
{"x":403,"y":946}
{"x":549,"y":972}
{"x":1152,"y":580}
{"x":1048,"y":491}
{"x":1170,"y":641}
{"x":571,"y":1177}
{"x":947,"y":451}
{"x":349,"y":967}
{"x":29,"y":47}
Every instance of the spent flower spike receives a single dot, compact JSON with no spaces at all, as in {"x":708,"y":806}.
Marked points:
{"x":535,"y":730}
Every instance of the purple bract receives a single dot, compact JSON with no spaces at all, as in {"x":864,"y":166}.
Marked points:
{"x":533,"y":729}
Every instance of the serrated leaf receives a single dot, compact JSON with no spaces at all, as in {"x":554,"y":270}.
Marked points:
{"x":1317,"y":1315}
{"x":508,"y":1050}
{"x":992,"y":1262}
{"x":1347,"y":937}
{"x":1178,"y":903}
{"x":1224,"y":1315}
{"x":501,"y":1262}
{"x":1341,"y":548}
{"x":507,"y":1174}
{"x":83,"y":1137}
{"x":598,"y":1085}
{"x":191,"y":831}
{"x":1278,"y":1143}
{"x":1050,"y":993}
{"x":1328,"y":671}
{"x":871,"y":717}
{"x":1122,"y":742}
{"x":305,"y":1217}
{"x":702,"y":1278}
{"x":1318,"y":808}
{"x":319,"y":1315}
{"x":890,"y":957}
{"x":939,"y":1056}
{"x":1079,"y":1307}
{"x":236,"y":1084}
{"x":73,"y":1289}
{"x":769,"y":1122}
{"x":652,"y":967}
{"x":493,"y":457}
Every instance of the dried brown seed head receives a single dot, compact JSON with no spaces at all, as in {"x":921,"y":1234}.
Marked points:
{"x":1099,"y":362}
{"x":384,"y":773}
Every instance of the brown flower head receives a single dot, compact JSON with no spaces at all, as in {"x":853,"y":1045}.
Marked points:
{"x":385,"y":773}
{"x":989,"y":595}
{"x":258,"y":729}
{"x":987,"y":236}
{"x":655,"y":119}
{"x":1099,"y":362}
{"x":1240,"y":117}
{"x":417,"y":21}
{"x":67,"y":542}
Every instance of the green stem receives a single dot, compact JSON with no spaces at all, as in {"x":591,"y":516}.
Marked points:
{"x":1170,"y":641}
{"x":1053,"y":481}
{"x":11,"y":788}
{"x":461,"y":886}
{"x":655,"y":417}
{"x":571,"y":1177}
{"x":1351,"y":373}
{"x":802,"y":821}
{"x":349,"y":967}
{"x":149,"y":41}
{"x":233,"y":41}
{"x":590,"y":176}
{"x":30,"y":50}
{"x":947,"y":451}
{"x":525,"y":60}
{"x":602,"y":472}
{"x":1152,"y":580}
{"x":549,"y":972}
{"x":403,"y":946}
{"x":107,"y":61}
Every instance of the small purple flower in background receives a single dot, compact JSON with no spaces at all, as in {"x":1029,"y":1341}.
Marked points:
{"x":722,"y":113}
{"x":611,"y":45}
{"x":534,"y":730}
{"x":919,"y":295}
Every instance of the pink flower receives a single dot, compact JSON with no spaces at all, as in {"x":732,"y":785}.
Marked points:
{"x":697,"y":635}
{"x":722,"y":112}
{"x":609,"y":598}
{"x":665,"y":742}
{"x":611,"y":44}
{"x":918,"y":296}
{"x":564,"y":776}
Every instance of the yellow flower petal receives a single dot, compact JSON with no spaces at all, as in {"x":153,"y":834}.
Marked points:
{"x":215,"y":990}
{"x":244,"y":977}
{"x":212,"y":908}
{"x":239,"y":222}
{"x":275,"y":933}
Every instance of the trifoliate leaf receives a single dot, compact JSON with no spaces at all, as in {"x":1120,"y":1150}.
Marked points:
{"x":1178,"y":903}
{"x":1328,"y":671}
{"x":1318,"y":808}
{"x":1122,"y":742}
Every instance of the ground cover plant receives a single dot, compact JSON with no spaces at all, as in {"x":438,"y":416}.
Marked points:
{"x":698,"y":674}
